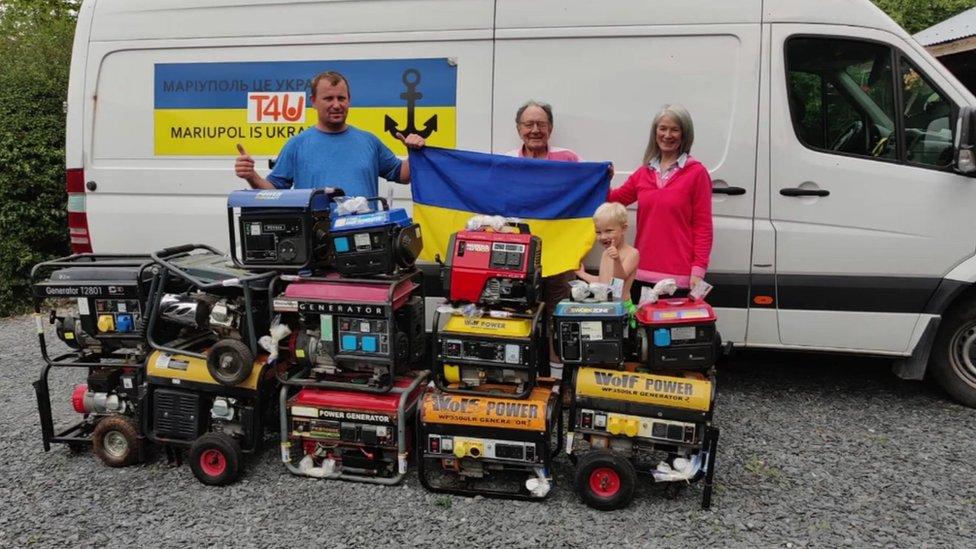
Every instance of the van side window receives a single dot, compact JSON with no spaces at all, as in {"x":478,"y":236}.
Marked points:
{"x":928,"y":131}
{"x":841,"y":95}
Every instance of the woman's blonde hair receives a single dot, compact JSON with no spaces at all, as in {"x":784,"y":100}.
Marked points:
{"x":681,"y":117}
{"x":612,"y":211}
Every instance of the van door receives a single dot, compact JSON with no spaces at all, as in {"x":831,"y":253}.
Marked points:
{"x":607,"y":82}
{"x":867,"y":211}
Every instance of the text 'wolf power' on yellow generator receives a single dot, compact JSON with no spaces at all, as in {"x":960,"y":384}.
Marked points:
{"x":623,"y":423}
{"x":489,"y":354}
{"x":489,"y":445}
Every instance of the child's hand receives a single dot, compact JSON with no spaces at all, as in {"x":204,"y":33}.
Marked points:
{"x":612,"y":252}
{"x":581,"y":272}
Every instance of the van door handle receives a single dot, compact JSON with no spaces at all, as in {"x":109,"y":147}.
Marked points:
{"x":731,"y":191}
{"x":799,"y":191}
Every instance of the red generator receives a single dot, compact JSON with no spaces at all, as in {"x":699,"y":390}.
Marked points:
{"x":677,"y":334}
{"x":349,"y":435}
{"x":494,"y":268}
{"x":355,"y":334}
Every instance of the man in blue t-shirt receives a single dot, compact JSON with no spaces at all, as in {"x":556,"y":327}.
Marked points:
{"x":332,"y":153}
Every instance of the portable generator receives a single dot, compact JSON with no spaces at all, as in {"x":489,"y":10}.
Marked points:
{"x":622,"y":423}
{"x":375,"y":243}
{"x":220,"y":309}
{"x":355,"y":334}
{"x":280,"y":229}
{"x":349,"y":435}
{"x":110,"y":292}
{"x":677,"y":334}
{"x":494,"y":268}
{"x":489,"y":445}
{"x":185,"y":407}
{"x":98,"y":308}
{"x":486,"y":355}
{"x":591,"y":333}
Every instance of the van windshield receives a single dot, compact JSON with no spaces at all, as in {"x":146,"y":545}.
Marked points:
{"x":843,"y":99}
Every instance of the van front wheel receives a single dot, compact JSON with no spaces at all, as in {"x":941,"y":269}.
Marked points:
{"x":953,"y":363}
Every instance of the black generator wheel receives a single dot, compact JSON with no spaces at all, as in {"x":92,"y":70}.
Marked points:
{"x":216,"y":459}
{"x":605,"y":480}
{"x":230,"y":362}
{"x":116,"y":441}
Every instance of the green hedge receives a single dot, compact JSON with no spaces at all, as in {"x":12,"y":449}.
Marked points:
{"x":35,"y":53}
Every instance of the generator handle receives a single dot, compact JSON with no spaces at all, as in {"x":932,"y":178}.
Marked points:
{"x":176,"y":250}
{"x":381,"y":201}
{"x":520,"y":225}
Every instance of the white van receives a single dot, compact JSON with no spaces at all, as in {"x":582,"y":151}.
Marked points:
{"x":842,"y":219}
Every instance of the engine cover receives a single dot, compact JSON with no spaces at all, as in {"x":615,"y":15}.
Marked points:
{"x":494,"y":268}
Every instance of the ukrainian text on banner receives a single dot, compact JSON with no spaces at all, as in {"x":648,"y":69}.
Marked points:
{"x":556,"y":199}
{"x":207,"y":108}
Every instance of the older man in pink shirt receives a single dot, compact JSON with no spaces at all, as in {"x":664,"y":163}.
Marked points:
{"x":534,"y":124}
{"x":533,"y":121}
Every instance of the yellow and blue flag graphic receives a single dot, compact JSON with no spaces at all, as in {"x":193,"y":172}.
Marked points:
{"x":556,"y":199}
{"x":205,"y":109}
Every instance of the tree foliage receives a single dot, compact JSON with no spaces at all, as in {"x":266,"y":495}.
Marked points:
{"x":918,"y":15}
{"x":35,"y":53}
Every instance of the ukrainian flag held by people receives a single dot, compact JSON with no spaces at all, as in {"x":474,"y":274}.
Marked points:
{"x":556,"y":199}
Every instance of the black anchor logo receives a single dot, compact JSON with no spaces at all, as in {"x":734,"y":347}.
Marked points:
{"x":411,"y":78}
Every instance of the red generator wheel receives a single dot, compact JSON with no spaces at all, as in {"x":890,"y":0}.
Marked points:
{"x":605,"y":480}
{"x":216,"y":459}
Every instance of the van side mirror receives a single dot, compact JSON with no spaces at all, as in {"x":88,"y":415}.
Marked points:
{"x":965,"y":159}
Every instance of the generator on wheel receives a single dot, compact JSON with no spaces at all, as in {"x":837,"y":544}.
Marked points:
{"x":208,"y":389}
{"x":623,"y":423}
{"x":99,"y":304}
{"x":186,"y":408}
{"x":349,"y":435}
{"x":494,"y":268}
{"x":489,"y":354}
{"x":354,"y":334}
{"x":489,"y":445}
{"x":376,"y":243}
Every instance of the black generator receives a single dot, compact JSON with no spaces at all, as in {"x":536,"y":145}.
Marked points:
{"x":280,"y":229}
{"x":591,"y":333}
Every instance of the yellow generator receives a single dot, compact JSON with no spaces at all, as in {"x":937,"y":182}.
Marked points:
{"x":489,"y":445}
{"x":623,"y":423}
{"x":489,"y":354}
{"x":185,"y":407}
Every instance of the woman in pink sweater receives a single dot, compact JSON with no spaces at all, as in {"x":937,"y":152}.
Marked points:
{"x":674,"y":204}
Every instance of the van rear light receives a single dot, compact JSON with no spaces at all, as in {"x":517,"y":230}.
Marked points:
{"x":77,"y":212}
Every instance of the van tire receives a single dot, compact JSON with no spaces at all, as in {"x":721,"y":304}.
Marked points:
{"x":953,"y":361}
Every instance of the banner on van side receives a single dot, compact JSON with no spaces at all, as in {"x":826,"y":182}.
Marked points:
{"x":205,"y":109}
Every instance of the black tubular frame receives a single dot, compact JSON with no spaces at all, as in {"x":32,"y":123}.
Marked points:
{"x":164,"y":258}
{"x":79,"y":358}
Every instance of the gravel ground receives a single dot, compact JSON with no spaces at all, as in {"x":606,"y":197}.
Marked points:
{"x":815,"y":451}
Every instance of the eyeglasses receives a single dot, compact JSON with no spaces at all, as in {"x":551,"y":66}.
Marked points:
{"x":540,"y":125}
